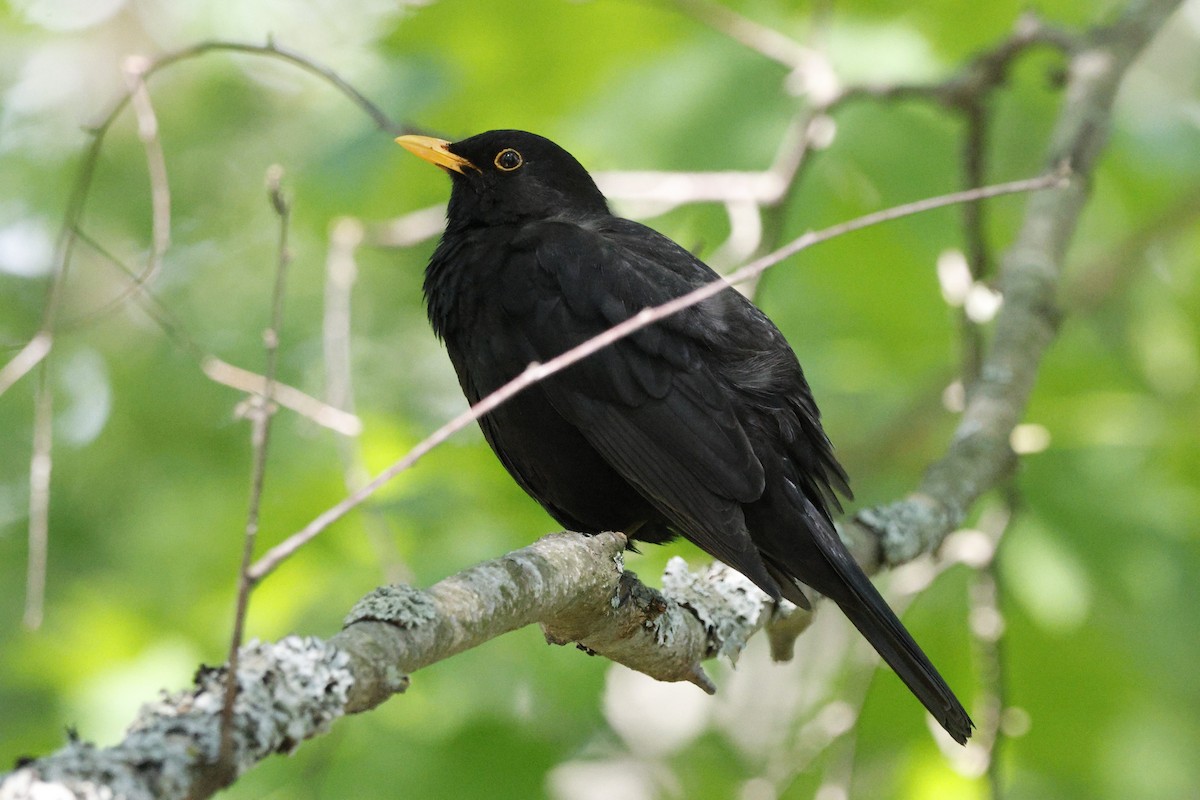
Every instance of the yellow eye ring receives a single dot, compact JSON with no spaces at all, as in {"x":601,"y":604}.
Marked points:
{"x":508,"y":159}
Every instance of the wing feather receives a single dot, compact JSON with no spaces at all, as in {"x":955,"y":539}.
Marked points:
{"x":650,"y":404}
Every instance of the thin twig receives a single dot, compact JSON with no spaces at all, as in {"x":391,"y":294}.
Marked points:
{"x":40,"y":464}
{"x":764,"y":40}
{"x":261,"y":414}
{"x":985,"y":72}
{"x":987,"y":630}
{"x":272,"y":49}
{"x":41,"y":343}
{"x":26,"y":359}
{"x":159,"y":313}
{"x":978,"y":257}
{"x":160,"y":196}
{"x":160,"y":190}
{"x":216,"y":369}
{"x":289,"y":397}
{"x":341,"y":271}
{"x":537,"y":372}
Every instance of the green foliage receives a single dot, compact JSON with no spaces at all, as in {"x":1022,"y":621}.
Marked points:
{"x":151,"y":466}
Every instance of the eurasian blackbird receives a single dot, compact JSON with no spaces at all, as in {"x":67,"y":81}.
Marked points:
{"x":701,"y":425}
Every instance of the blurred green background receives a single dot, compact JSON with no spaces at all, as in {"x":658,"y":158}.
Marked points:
{"x":151,"y":467}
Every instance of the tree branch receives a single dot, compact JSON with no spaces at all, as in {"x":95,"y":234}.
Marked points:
{"x":288,"y":691}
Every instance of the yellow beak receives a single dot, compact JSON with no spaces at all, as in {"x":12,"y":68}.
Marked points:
{"x":435,"y":151}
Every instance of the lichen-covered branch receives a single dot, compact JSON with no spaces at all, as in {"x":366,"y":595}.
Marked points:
{"x":575,"y":586}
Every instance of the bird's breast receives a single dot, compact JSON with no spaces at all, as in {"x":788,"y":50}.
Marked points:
{"x":477,"y":279}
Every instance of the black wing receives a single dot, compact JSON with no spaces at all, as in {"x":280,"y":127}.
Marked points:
{"x":652,"y":404}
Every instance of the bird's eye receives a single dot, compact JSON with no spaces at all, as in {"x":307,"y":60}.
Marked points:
{"x":508,"y":159}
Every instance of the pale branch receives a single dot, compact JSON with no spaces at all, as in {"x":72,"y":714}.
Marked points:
{"x":26,"y":359}
{"x":324,"y":414}
{"x":42,"y":457}
{"x":575,"y":586}
{"x":156,"y":168}
{"x":764,"y":40}
{"x":341,"y":271}
{"x":41,"y":463}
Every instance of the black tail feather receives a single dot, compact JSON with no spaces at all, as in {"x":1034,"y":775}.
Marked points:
{"x":876,"y":622}
{"x":847,"y":585}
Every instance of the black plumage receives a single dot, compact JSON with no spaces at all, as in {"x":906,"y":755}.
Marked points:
{"x":701,"y":425}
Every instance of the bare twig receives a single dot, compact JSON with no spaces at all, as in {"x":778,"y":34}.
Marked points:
{"x":160,"y":197}
{"x":291,"y":398}
{"x":160,"y":191}
{"x":341,"y":271}
{"x":273,"y":49}
{"x":26,"y":359}
{"x":154,"y":308}
{"x":40,"y":464}
{"x":260,"y":418}
{"x":978,"y":257}
{"x":987,"y":629}
{"x":40,"y":344}
{"x":538,"y":372}
{"x":764,"y":40}
{"x":220,"y":371}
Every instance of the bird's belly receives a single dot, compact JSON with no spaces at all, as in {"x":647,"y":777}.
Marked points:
{"x":555,"y":464}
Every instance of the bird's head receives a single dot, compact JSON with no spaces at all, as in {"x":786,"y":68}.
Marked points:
{"x":510,"y":176}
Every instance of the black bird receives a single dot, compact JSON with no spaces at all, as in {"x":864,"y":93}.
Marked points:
{"x":701,"y":425}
